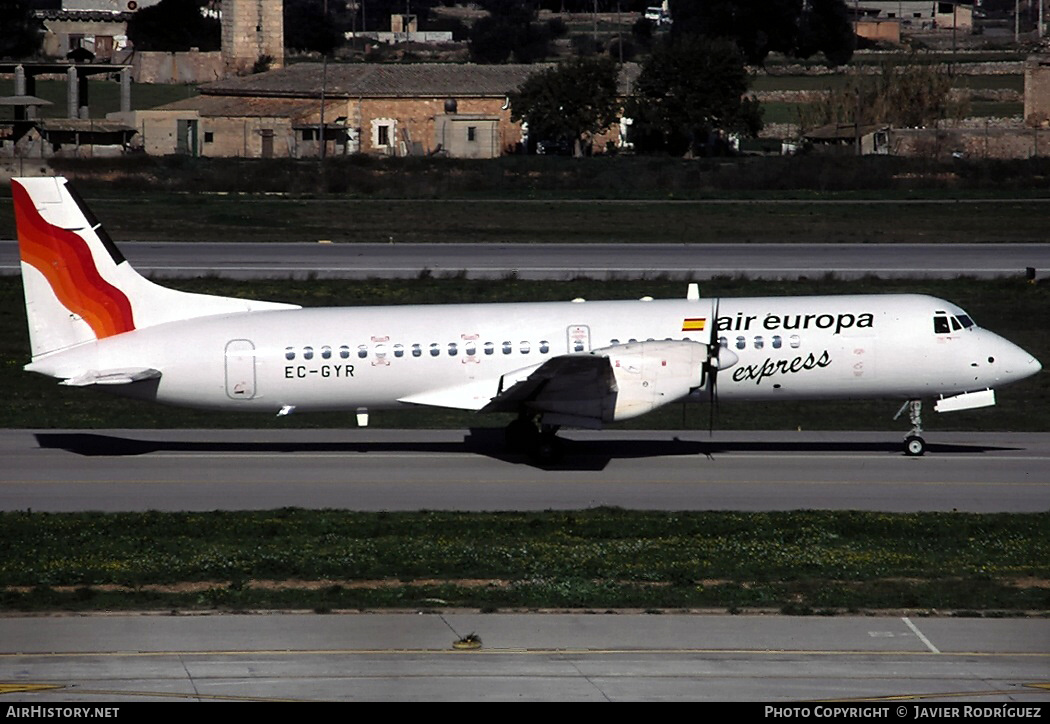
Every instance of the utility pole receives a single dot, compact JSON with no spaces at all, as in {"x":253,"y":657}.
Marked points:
{"x":324,"y":83}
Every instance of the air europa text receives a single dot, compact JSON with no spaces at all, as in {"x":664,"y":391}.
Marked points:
{"x":772,"y":322}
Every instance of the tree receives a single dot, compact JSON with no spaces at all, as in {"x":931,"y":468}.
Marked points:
{"x":509,"y":29}
{"x":573,"y":101}
{"x":758,"y":27}
{"x":173,"y":26}
{"x":20,"y":33}
{"x":689,"y":93}
{"x":307,"y":28}
{"x":910,"y":95}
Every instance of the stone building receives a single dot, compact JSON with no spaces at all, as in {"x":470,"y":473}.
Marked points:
{"x":459,"y":110}
{"x":1037,"y":90}
{"x":252,"y":32}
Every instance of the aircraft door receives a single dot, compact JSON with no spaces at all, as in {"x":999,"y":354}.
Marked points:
{"x":240,"y":369}
{"x":579,"y":338}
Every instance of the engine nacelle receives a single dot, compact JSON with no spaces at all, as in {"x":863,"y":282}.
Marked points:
{"x":651,"y":374}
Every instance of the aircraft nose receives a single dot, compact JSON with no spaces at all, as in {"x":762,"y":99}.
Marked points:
{"x":1017,"y":364}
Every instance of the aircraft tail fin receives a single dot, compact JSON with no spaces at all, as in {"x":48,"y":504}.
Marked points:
{"x":78,"y":286}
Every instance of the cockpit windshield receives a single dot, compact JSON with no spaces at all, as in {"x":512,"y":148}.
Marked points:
{"x":944,"y":323}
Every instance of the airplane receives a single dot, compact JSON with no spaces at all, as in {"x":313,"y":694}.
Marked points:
{"x":94,"y":321}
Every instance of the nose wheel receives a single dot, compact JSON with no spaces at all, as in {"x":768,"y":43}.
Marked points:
{"x":914,"y":444}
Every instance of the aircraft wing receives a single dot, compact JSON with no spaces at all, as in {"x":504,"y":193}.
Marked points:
{"x":579,"y":385}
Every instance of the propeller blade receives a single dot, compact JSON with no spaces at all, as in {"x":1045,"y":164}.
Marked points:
{"x":713,"y":348}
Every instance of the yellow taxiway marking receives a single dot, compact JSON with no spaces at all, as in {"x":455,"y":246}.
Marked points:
{"x":11,"y":688}
{"x":515,"y":652}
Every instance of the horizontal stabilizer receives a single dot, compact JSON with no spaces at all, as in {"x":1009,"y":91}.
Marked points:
{"x":112,"y":377}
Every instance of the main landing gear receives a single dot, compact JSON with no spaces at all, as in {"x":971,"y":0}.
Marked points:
{"x":527,"y":435}
{"x":914,"y":444}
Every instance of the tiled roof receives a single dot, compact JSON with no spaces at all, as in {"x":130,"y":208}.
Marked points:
{"x":83,"y":125}
{"x":388,"y":80}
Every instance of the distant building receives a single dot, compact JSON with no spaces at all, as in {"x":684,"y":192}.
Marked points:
{"x":1037,"y":90}
{"x":97,"y":26}
{"x":916,"y":14}
{"x":459,"y":110}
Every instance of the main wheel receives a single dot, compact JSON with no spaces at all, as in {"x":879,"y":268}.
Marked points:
{"x":521,"y":435}
{"x":548,"y":448}
{"x":914,"y":446}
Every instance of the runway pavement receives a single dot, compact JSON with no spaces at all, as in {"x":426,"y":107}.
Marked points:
{"x":566,"y":261}
{"x":888,"y":662}
{"x":374,"y":469}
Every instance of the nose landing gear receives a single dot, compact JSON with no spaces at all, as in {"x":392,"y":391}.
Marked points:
{"x":914,"y":444}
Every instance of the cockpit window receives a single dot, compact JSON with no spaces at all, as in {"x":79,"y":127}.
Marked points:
{"x":940,"y":325}
{"x":955,"y":324}
{"x":965,"y":320}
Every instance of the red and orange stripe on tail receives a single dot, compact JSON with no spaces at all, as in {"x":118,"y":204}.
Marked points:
{"x":66,"y":262}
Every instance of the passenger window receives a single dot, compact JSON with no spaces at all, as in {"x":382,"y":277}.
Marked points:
{"x":545,"y":347}
{"x":795,"y":341}
{"x":452,"y":349}
{"x":289,"y":353}
{"x":940,"y":325}
{"x":470,"y":349}
{"x":399,"y":350}
{"x":435,"y":349}
{"x":362,"y":351}
{"x":614,"y":341}
{"x":525,"y":347}
{"x":380,"y":351}
{"x":326,"y":352}
{"x":577,"y":346}
{"x":759,"y":342}
{"x":741,"y":343}
{"x":308,"y":352}
{"x":723,"y":342}
{"x":344,"y":352}
{"x":507,"y":348}
{"x":489,"y":348}
{"x":777,"y":341}
{"x":417,"y":351}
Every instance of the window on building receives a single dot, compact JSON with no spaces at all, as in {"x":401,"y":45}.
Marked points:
{"x":472,"y":133}
{"x":209,"y":137}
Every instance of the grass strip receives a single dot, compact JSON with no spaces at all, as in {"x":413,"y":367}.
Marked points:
{"x":798,"y":562}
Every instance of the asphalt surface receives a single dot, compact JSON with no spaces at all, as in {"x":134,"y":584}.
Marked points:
{"x":888,"y":663}
{"x":566,"y":261}
{"x":374,"y":469}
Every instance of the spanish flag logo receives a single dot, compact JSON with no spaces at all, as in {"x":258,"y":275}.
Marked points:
{"x":694,"y":324}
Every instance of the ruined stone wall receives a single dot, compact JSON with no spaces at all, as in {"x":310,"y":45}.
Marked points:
{"x":188,"y":67}
{"x":989,"y":142}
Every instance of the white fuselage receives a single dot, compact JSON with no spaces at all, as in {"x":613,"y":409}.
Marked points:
{"x":377,"y":357}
